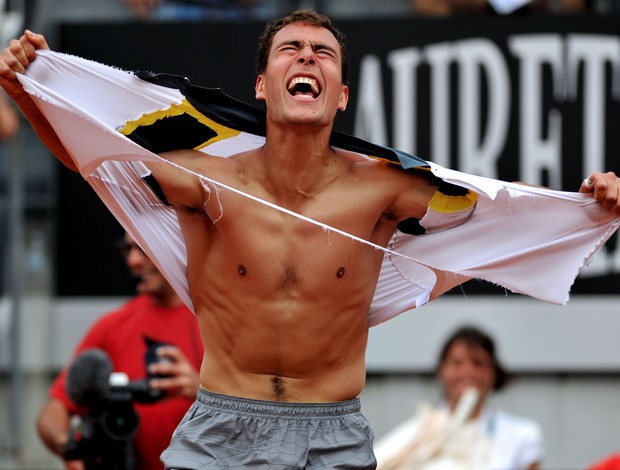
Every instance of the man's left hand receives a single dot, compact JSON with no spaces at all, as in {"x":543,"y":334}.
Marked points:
{"x":605,"y":187}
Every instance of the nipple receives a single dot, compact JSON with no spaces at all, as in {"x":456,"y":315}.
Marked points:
{"x":340,"y":273}
{"x":242,"y":270}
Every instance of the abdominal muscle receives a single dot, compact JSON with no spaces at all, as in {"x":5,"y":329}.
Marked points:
{"x":283,"y":331}
{"x":282,"y":349}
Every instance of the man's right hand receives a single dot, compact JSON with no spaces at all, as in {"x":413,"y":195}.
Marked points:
{"x":16,"y":57}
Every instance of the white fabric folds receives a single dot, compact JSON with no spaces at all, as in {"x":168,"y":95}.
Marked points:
{"x":529,"y":240}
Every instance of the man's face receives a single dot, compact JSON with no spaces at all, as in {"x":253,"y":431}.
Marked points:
{"x":302,"y":83}
{"x":466,"y":366}
{"x":150,"y":281}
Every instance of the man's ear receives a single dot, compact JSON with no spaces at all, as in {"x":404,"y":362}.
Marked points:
{"x":259,"y":88}
{"x":344,"y":98}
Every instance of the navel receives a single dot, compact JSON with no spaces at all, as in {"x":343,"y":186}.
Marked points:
{"x":242,"y":270}
{"x":340,"y":272}
{"x":278,"y":388}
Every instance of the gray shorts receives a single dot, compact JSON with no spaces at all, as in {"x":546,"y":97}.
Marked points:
{"x":219,"y":431}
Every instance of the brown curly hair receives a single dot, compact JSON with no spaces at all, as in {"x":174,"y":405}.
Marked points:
{"x":308,"y":17}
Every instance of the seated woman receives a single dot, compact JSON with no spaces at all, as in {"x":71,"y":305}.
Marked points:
{"x":465,"y":432}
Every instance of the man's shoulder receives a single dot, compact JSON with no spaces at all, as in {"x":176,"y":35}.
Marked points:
{"x":202,"y":162}
{"x":188,"y":157}
{"x":129,"y":307}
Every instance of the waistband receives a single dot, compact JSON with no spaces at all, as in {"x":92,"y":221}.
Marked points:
{"x":277,"y":408}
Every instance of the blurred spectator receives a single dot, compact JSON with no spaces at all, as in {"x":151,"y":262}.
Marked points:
{"x":607,"y":6}
{"x":156,"y":313}
{"x":171,"y":10}
{"x":610,"y":463}
{"x":465,"y":431}
{"x":432,"y":7}
{"x":500,"y":7}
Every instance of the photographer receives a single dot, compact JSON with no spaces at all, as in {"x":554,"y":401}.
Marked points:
{"x":155,"y":313}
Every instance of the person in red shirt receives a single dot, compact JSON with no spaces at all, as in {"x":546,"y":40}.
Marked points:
{"x":610,"y":463}
{"x":155,"y":313}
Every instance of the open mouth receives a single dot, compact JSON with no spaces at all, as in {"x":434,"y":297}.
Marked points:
{"x":304,"y":86}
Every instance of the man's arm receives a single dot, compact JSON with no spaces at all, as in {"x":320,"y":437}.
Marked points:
{"x":424,"y":203}
{"x":180,"y":182}
{"x":180,"y":188}
{"x":9,"y":119}
{"x":15,"y":59}
{"x":53,"y":428}
{"x":413,"y":197}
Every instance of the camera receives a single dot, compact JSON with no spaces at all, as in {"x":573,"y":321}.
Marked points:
{"x":103,"y":437}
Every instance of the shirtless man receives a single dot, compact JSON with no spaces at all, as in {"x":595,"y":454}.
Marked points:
{"x":282,"y":305}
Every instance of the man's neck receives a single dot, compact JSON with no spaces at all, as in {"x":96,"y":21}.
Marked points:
{"x":166,"y":301}
{"x":298,"y":162}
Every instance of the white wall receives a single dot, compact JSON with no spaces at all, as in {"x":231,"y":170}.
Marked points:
{"x":530,"y":335}
{"x":566,"y":360}
{"x":579,"y":415}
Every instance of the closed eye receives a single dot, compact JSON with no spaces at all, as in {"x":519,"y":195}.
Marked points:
{"x":288,"y":48}
{"x":326,"y":52}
